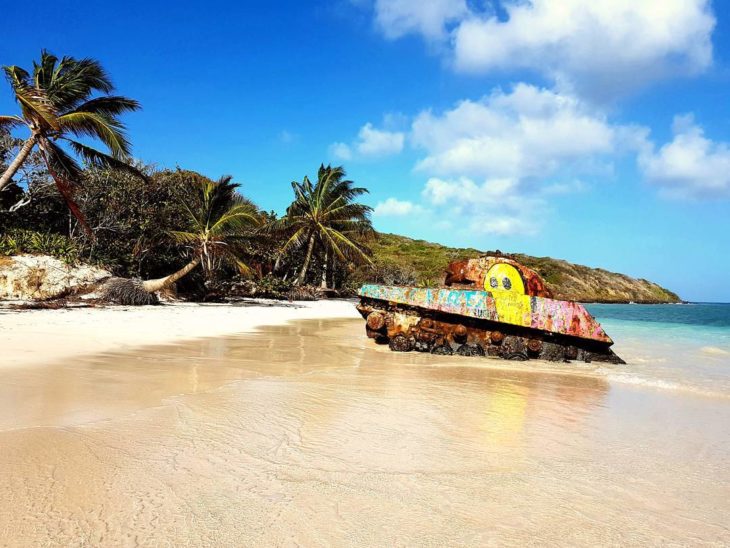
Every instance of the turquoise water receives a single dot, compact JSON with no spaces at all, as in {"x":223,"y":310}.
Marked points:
{"x":670,"y":347}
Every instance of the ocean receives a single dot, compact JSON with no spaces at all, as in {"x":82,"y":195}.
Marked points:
{"x":675,"y":347}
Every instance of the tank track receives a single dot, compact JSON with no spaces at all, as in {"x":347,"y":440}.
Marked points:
{"x":405,"y":328}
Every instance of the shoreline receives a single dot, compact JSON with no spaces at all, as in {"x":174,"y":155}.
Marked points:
{"x":38,"y":337}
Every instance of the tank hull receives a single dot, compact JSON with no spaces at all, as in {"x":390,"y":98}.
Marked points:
{"x":477,"y":323}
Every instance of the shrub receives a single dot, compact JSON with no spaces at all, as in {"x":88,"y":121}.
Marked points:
{"x":18,"y":241}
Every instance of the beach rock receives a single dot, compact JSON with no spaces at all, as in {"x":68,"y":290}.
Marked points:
{"x":41,"y":277}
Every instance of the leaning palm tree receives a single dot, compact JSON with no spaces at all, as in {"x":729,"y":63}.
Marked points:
{"x":326,"y":214}
{"x":57,"y":105}
{"x":220,"y":220}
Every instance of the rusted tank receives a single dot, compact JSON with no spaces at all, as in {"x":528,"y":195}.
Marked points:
{"x":490,"y":306}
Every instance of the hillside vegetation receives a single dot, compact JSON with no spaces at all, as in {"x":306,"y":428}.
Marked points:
{"x":402,"y":260}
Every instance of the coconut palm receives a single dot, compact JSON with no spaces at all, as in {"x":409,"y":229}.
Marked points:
{"x":57,"y":105}
{"x":219,"y":220}
{"x":325,"y":214}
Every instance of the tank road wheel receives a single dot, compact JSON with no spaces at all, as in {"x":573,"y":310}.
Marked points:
{"x":496,"y":337}
{"x":460,"y":333}
{"x":442,"y":350}
{"x":517,"y":357}
{"x":400,"y":343}
{"x":534,"y":346}
{"x":470,"y":350}
{"x":376,"y":321}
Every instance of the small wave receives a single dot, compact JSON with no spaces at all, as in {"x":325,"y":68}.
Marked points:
{"x":661,"y":384}
{"x":714,"y":351}
{"x":646,"y":360}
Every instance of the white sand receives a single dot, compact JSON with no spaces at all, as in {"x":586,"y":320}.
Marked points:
{"x":43,"y":336}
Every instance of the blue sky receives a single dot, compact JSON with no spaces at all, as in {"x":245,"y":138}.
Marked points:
{"x":592,"y":131}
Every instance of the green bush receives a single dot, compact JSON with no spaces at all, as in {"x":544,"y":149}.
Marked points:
{"x":17,"y":241}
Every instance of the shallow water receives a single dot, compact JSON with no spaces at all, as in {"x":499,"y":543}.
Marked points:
{"x":670,"y":347}
{"x":310,"y":434}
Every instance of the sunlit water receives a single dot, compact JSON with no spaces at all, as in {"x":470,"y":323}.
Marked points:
{"x":671,"y":347}
{"x":309,"y":434}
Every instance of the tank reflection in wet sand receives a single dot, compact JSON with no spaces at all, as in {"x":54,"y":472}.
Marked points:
{"x":307,"y":434}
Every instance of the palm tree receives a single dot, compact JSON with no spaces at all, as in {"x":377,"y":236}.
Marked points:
{"x":57,"y":106}
{"x":326,"y":214}
{"x":219,"y":220}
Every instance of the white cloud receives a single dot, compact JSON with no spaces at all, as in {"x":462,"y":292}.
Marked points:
{"x":601,"y":48}
{"x":392,"y":207}
{"x":396,"y":18}
{"x":370,"y":143}
{"x":493,"y":164}
{"x":341,"y":151}
{"x":691,"y":165}
{"x":497,"y":206}
{"x":527,"y":133}
{"x":377,"y":142}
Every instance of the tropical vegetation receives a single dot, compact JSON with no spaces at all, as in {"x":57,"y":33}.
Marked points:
{"x":325,"y":216}
{"x":62,"y":101}
{"x":156,"y":227}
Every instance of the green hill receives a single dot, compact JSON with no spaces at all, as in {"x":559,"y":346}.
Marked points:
{"x":401,"y":260}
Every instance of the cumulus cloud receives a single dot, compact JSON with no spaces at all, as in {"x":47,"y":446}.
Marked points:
{"x":690,"y":165}
{"x":370,"y":143}
{"x":392,"y":207}
{"x":528,"y":132}
{"x":496,"y":206}
{"x":493,"y":164}
{"x":396,"y":18}
{"x":341,"y":151}
{"x":600,"y":48}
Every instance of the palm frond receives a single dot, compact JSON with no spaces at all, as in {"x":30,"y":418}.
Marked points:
{"x":296,"y":240}
{"x":105,"y":128}
{"x":44,"y":72}
{"x":109,"y":105}
{"x":97,"y":158}
{"x":61,"y":162}
{"x":183,"y":237}
{"x":9,"y":122}
{"x":336,"y":235}
{"x":17,"y":76}
{"x":74,"y":80}
{"x":35,"y":106}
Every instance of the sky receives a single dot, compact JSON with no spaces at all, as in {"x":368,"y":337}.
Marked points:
{"x":596,"y":131}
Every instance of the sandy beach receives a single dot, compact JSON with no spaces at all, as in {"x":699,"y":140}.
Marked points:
{"x":303,"y":432}
{"x":42,"y":336}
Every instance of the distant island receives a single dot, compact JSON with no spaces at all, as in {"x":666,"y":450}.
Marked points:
{"x":404,"y":259}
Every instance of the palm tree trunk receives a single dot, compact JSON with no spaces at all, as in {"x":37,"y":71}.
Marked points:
{"x":324,"y":271}
{"x":19,"y":159}
{"x":307,"y":259}
{"x":150,"y":286}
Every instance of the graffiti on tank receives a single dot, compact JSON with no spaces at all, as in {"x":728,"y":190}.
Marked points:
{"x":506,"y":305}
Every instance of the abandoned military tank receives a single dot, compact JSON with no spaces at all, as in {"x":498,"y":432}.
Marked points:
{"x":490,"y":306}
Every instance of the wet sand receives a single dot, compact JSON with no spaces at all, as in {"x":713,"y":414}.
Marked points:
{"x":308,"y":434}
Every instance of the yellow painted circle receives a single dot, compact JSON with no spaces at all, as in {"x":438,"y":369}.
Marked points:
{"x":504,"y":278}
